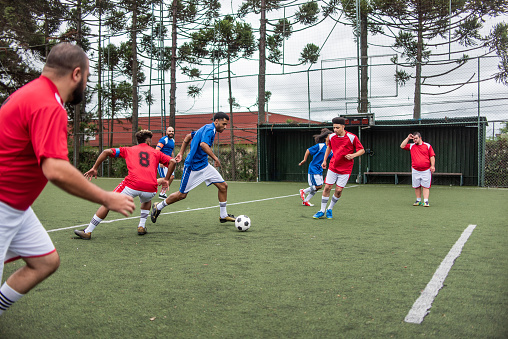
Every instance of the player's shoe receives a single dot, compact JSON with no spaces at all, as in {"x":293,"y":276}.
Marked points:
{"x":302,"y":195}
{"x":141,"y":230}
{"x":318,"y":215}
{"x":306,"y":203}
{"x":329,"y":214}
{"x":418,"y":203}
{"x":229,"y":217}
{"x":163,"y":196}
{"x":154,"y":212}
{"x":83,"y":235}
{"x":426,"y":204}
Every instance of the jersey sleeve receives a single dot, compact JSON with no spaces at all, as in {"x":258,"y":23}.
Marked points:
{"x":208,"y":137}
{"x":431,"y":152}
{"x":407,"y":147}
{"x":358,"y":145}
{"x":117,"y":152}
{"x":164,"y":159}
{"x":314,"y":149}
{"x":48,"y":134}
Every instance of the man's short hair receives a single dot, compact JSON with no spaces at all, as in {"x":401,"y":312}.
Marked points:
{"x":220,"y":116}
{"x":142,"y":135}
{"x":417,"y":134}
{"x":64,"y":58}
{"x":339,"y":120}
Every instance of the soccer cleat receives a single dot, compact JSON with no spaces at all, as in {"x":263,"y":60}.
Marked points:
{"x":154,"y":212}
{"x":426,"y":204}
{"x":306,"y":203}
{"x":229,"y":217}
{"x":418,"y":203}
{"x":163,"y":196}
{"x":329,"y":214}
{"x":83,"y":235}
{"x":141,"y":230}
{"x":302,"y":195}
{"x":318,"y":215}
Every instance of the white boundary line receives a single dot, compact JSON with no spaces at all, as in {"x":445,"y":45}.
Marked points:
{"x":183,"y":211}
{"x":422,"y":305}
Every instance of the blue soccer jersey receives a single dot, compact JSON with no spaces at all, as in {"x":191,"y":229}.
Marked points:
{"x":197,"y":159}
{"x":318,"y":153}
{"x":169,"y":145}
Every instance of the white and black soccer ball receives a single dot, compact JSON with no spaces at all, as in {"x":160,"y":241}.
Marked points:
{"x":242,"y":223}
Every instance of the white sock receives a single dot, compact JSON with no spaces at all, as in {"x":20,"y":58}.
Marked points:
{"x":333,"y":202}
{"x":223,"y":210}
{"x":418,"y":199}
{"x":311,"y":194}
{"x":8,"y":296}
{"x":144,"y":216}
{"x":425,"y":200}
{"x":161,"y":205}
{"x":307,"y":190}
{"x":324,"y":201}
{"x":93,"y":223}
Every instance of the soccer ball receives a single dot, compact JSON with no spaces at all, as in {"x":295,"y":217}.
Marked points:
{"x":242,"y":223}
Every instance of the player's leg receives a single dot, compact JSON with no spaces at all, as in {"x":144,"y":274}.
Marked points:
{"x":163,"y":171}
{"x":307,"y":190}
{"x":341,"y":182}
{"x":316,"y":181}
{"x":190,"y":179}
{"x":331,"y":179}
{"x":426,"y":181}
{"x":32,"y":243}
{"x":416,"y":179}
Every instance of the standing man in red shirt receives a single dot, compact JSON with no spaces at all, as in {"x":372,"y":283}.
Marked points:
{"x":33,"y":139}
{"x":423,"y":161}
{"x":345,"y":146}
{"x":142,"y":162}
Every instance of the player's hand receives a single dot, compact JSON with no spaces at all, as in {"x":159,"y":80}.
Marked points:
{"x":432,"y":169}
{"x":91,"y":173}
{"x":349,"y":156}
{"x":217,"y":163}
{"x":164,"y":183}
{"x":323,"y":165}
{"x":410,"y":136}
{"x":178,"y":157}
{"x":301,"y":162}
{"x":120,"y":203}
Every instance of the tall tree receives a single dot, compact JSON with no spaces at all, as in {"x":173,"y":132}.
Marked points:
{"x":420,"y":26}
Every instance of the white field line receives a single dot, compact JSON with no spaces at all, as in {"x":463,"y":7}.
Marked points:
{"x":422,"y":305}
{"x":184,"y":211}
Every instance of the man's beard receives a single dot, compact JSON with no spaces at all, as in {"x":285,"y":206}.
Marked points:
{"x":78,"y":94}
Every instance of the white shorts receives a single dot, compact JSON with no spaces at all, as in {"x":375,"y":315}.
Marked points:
{"x":191,"y":179}
{"x":163,"y":171}
{"x":338,"y":179}
{"x":421,"y":178}
{"x":315,"y":179}
{"x":143,"y":196}
{"x":21,"y":236}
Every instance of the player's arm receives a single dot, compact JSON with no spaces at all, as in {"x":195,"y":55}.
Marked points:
{"x":405,"y":141}
{"x":432,"y":164}
{"x":304,"y":157}
{"x":185,"y":142}
{"x":103,"y":156}
{"x":61,"y":173}
{"x":327,"y":153}
{"x":204,"y":146}
{"x":355,"y":154}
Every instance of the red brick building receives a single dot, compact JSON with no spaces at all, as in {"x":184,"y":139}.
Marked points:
{"x":245,"y":124}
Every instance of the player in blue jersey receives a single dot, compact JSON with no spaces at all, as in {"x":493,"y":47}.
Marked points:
{"x":166,"y":145}
{"x":197,"y":169}
{"x":315,"y":172}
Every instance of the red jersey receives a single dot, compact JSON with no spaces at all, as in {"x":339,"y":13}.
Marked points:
{"x":341,"y":146}
{"x":33,"y":127}
{"x":420,"y":155}
{"x":142,"y":161}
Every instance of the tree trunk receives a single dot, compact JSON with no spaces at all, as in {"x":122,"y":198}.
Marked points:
{"x":233,"y":157}
{"x":417,"y":114}
{"x":134,"y":72}
{"x":172,"y":91}
{"x":364,"y":81}
{"x":262,"y":65}
{"x":77,"y":108}
{"x":99,"y":90}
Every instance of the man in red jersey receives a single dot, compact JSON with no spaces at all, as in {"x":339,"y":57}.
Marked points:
{"x":345,"y":146}
{"x":142,"y":162}
{"x":423,"y":161}
{"x":33,"y":140}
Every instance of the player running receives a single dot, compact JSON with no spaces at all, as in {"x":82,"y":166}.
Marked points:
{"x":197,"y":169}
{"x":166,"y":145}
{"x":423,"y":161}
{"x":141,"y":180}
{"x":345,"y":146}
{"x":315,"y":171}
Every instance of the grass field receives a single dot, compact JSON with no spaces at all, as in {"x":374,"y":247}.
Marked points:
{"x":289,"y":276}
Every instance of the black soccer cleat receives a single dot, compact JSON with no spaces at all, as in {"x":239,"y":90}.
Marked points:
{"x":154,"y":212}
{"x":229,"y":217}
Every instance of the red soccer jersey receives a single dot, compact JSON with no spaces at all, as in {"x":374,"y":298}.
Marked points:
{"x":420,"y":155}
{"x":33,"y":127}
{"x":142,"y":161}
{"x":341,"y":146}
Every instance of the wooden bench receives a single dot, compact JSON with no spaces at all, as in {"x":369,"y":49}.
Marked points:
{"x":396,"y":175}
